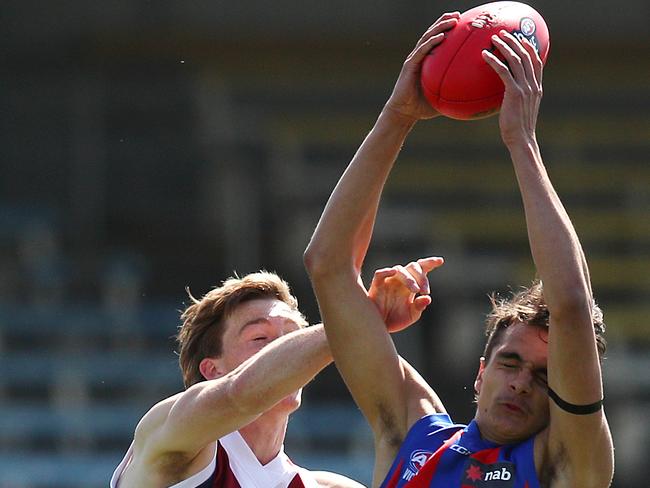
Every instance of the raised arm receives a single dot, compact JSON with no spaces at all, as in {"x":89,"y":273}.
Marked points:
{"x":579,"y":445}
{"x":361,"y":346}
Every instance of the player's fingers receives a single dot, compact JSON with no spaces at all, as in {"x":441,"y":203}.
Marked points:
{"x":448,"y":15}
{"x":421,"y":302}
{"x":538,"y":66}
{"x":418,"y":54}
{"x":420,"y":276}
{"x":431,"y":263}
{"x":444,"y":23}
{"x":382,"y":275}
{"x":512,"y":59}
{"x":523,"y":55}
{"x":499,"y":67}
{"x":407,"y":279}
{"x":427,"y":44}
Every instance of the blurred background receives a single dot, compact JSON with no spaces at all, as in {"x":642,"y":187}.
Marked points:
{"x":149,"y":146}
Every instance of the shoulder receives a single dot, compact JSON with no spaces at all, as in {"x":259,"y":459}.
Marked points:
{"x":325,"y":479}
{"x":427,"y":434}
{"x":152,"y":458}
{"x":426,"y":431}
{"x":149,"y":446}
{"x":432,"y":423}
{"x":153,"y":420}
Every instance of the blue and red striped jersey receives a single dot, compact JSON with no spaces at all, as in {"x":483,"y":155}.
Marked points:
{"x":437,"y":453}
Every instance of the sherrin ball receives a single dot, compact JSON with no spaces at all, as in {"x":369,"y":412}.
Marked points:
{"x":455,"y":78}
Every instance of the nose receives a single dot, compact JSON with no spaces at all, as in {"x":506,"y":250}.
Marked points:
{"x":522,"y":382}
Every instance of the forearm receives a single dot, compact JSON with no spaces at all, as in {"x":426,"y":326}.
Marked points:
{"x":355,"y":330}
{"x":343,"y":233}
{"x":210,"y":409}
{"x":574,"y":369}
{"x":232,"y":401}
{"x":555,"y":247}
{"x":281,"y":368}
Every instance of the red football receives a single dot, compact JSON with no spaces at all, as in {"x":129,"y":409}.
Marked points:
{"x":455,"y":78}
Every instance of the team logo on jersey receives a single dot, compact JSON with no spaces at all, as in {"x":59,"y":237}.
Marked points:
{"x":417,"y":459}
{"x":460,"y":449}
{"x":479,"y":475}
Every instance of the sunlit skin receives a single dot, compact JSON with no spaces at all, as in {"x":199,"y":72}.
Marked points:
{"x":251,"y":326}
{"x":512,"y":399}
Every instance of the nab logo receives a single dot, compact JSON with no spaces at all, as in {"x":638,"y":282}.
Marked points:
{"x":497,"y":475}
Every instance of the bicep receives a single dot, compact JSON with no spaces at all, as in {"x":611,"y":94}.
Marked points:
{"x":574,"y":374}
{"x":422,"y":399}
{"x":200,"y":415}
{"x":580,"y":448}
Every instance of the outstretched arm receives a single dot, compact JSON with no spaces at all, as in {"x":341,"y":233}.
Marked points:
{"x":584,"y":441}
{"x":361,"y":346}
{"x":183,"y":425}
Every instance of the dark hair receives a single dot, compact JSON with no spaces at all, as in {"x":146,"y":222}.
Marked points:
{"x":529,"y":307}
{"x":201,"y":333}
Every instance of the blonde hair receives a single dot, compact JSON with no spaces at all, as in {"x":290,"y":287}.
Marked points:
{"x":201,"y":333}
{"x":529,"y":307}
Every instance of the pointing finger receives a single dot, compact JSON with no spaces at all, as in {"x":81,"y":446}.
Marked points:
{"x":431,"y":263}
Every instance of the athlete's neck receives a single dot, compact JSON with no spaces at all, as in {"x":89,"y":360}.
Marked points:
{"x":265,"y":435}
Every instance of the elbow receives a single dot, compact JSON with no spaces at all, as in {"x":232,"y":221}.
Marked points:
{"x":326,"y":268}
{"x":572,"y":303}
{"x":318,"y":262}
{"x":311,"y":258}
{"x":571,"y":300}
{"x":244,"y":398}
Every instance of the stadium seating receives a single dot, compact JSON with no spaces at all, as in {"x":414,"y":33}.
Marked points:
{"x":77,"y":375}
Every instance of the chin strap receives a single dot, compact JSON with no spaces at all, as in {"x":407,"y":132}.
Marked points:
{"x":575,"y":409}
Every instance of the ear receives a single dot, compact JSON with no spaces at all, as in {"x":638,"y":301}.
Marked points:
{"x":211,"y":368}
{"x":478,"y":382}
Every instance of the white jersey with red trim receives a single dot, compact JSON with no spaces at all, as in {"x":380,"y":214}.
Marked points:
{"x":234,"y":465}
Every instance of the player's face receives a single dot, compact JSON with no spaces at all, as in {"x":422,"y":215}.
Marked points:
{"x":253,"y":325}
{"x":511,"y":387}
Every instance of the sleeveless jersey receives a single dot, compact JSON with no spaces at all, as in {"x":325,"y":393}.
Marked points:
{"x":234,"y":465}
{"x":437,"y":453}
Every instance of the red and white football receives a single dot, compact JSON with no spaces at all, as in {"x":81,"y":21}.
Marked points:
{"x":455,"y":78}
